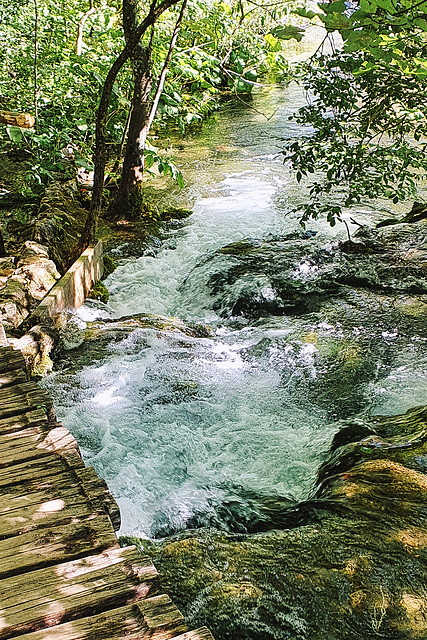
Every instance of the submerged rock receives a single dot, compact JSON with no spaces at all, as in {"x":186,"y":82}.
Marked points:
{"x":355,"y":568}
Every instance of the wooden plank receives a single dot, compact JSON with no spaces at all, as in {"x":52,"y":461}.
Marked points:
{"x":21,"y":398}
{"x":47,"y":487}
{"x":48,"y":465}
{"x":29,"y":444}
{"x":55,"y":499}
{"x":99,"y":494}
{"x":60,"y":440}
{"x":74,"y":589}
{"x":28,"y":419}
{"x":24,"y":513}
{"x":8,"y":378}
{"x":124,"y":623}
{"x":11,"y":359}
{"x":119,"y":624}
{"x":160,"y":618}
{"x":52,"y":545}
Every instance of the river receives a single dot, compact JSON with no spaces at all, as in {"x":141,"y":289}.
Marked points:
{"x":183,"y":427}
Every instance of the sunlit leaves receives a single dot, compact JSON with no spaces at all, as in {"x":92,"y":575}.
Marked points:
{"x":288,"y":33}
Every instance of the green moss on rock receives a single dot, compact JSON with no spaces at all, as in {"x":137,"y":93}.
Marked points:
{"x":99,"y":292}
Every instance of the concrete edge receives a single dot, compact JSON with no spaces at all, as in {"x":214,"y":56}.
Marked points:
{"x":70,"y":291}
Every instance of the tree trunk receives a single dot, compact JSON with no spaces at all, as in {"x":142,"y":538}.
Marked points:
{"x":133,"y":163}
{"x":88,"y":234}
{"x":127,"y":202}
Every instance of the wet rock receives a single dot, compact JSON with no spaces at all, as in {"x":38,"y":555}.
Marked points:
{"x":354,"y":569}
{"x":27,"y":284}
{"x":294,"y":276}
{"x":32,"y":252}
{"x":7,"y":266}
{"x":36,"y":347}
{"x":124,"y":326}
{"x":72,"y":332}
{"x":13,"y":303}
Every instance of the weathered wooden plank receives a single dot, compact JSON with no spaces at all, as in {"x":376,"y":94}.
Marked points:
{"x":138,"y":622}
{"x":119,"y":624}
{"x":53,"y":499}
{"x":21,"y":398}
{"x":29,"y":444}
{"x":99,"y":494}
{"x":24,"y":513}
{"x":75,"y":589}
{"x":30,"y":470}
{"x":11,"y":359}
{"x":9,"y":378}
{"x":160,"y":618}
{"x":41,"y":488}
{"x":53,"y":545}
{"x":60,"y":440}
{"x":28,"y":419}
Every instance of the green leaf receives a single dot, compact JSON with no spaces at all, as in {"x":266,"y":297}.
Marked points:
{"x":303,"y":13}
{"x":15,"y":134}
{"x":335,"y":22}
{"x":333,"y":7}
{"x":288,"y":33}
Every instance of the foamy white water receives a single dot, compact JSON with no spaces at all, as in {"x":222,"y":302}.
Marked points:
{"x":177,"y":425}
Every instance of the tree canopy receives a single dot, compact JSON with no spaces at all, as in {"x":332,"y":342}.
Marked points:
{"x":367,"y":106}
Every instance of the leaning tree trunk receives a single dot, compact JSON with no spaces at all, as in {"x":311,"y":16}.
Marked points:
{"x":100,"y":153}
{"x":133,"y":163}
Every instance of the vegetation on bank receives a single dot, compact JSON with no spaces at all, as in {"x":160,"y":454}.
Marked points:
{"x":366,"y":108}
{"x":95,"y":76}
{"x":103,"y":78}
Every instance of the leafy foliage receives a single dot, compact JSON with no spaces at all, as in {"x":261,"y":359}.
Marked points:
{"x":367,"y":108}
{"x":222,"y":46}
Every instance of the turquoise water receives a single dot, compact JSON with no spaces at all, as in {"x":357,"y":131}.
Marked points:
{"x":178,"y":425}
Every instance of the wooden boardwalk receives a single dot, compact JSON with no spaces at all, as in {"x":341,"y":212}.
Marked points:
{"x":63,"y":575}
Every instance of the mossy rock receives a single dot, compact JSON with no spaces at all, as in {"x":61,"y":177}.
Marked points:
{"x":99,"y":292}
{"x":355,"y":568}
{"x":109,"y":266}
{"x":175,"y":213}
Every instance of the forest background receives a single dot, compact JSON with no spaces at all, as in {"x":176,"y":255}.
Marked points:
{"x":93,"y":77}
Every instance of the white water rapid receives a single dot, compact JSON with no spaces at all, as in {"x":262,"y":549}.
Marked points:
{"x":179,"y":425}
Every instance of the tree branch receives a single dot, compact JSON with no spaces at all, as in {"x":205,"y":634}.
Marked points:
{"x":162,"y":76}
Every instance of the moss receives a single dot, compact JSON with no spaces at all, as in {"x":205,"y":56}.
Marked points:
{"x":175,"y":213}
{"x":240,"y":248}
{"x":109,"y":266}
{"x":99,"y":292}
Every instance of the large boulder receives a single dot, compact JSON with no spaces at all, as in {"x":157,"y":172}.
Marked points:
{"x":26,"y":284}
{"x":293,"y":275}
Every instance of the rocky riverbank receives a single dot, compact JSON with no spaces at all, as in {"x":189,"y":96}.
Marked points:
{"x":348,"y":564}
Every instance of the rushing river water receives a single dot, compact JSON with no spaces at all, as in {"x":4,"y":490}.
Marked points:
{"x":183,"y":428}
